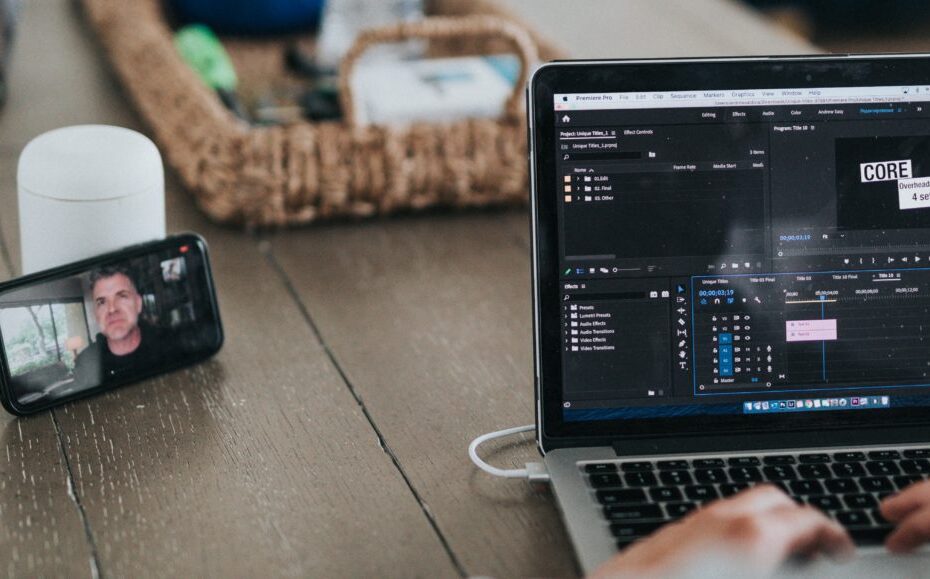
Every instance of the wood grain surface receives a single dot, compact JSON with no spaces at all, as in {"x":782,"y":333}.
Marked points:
{"x":328,"y":437}
{"x":430,"y":321}
{"x":41,"y":529}
{"x":258,"y":462}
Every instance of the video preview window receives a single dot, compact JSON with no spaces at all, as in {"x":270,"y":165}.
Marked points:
{"x":883,"y":182}
{"x":67,"y":335}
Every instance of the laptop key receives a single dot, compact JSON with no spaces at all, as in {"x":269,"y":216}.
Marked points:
{"x":631,"y":530}
{"x":904,"y":481}
{"x":780,"y":459}
{"x":847,"y":469}
{"x":882,"y":467}
{"x":806,"y":487}
{"x":743,"y":461}
{"x":848,"y":456}
{"x":676,"y":477}
{"x":860,"y":501}
{"x":600,"y":468}
{"x":878,"y":518}
{"x":745,"y":474}
{"x":884,"y":454}
{"x":852,"y":518}
{"x":825,"y":502}
{"x":915,"y":466}
{"x":779,"y":473}
{"x":678,"y":510}
{"x":701,"y":492}
{"x":815,"y":458}
{"x":601,"y":481}
{"x":640,"y":479}
{"x":621,"y":497}
{"x":665,"y":494}
{"x":729,"y":489}
{"x":707,"y":462}
{"x":780,"y":485}
{"x":814,"y":471}
{"x":869,"y":535}
{"x":672,"y":464}
{"x":636,"y":466}
{"x":917,"y":453}
{"x":710,"y":475}
{"x":876,"y":484}
{"x":634,"y":513}
{"x":624,"y":543}
{"x":841,"y":485}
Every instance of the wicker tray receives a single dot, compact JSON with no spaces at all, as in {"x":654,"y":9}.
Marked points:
{"x":305,"y":172}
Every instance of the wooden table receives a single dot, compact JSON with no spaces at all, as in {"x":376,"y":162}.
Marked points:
{"x":328,"y":437}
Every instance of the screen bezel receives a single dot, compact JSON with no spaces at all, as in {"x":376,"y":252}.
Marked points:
{"x":671,"y":75}
{"x":196,"y":242}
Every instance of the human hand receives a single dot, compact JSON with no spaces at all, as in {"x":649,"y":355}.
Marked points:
{"x":761,"y":524}
{"x":909,"y":511}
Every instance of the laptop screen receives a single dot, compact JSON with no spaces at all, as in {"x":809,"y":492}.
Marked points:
{"x":744,"y":254}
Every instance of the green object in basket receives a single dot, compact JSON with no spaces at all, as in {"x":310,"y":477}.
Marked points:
{"x":204,"y":53}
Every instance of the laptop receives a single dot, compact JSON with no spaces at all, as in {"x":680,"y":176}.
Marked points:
{"x":731,"y":266}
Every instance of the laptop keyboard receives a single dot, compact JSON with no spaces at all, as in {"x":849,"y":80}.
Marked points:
{"x":637,"y":497}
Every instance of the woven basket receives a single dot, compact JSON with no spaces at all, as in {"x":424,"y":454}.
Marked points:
{"x":305,"y":172}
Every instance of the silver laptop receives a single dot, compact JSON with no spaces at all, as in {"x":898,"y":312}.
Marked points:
{"x":731,"y":285}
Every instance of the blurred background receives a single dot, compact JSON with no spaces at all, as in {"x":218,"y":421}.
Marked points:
{"x":853,"y":25}
{"x":830,"y":25}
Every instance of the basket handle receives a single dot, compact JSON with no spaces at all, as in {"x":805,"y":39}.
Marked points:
{"x":435,"y":27}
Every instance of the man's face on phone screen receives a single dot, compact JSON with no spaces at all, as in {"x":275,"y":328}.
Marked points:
{"x":117,"y":305}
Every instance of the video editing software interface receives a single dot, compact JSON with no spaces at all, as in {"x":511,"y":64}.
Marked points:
{"x":744,"y":252}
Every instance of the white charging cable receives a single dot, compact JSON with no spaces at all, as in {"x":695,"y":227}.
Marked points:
{"x":534,"y":472}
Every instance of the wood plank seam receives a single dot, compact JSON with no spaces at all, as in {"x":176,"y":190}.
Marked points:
{"x":72,"y":488}
{"x":265,"y":249}
{"x":5,"y":253}
{"x":76,"y":499}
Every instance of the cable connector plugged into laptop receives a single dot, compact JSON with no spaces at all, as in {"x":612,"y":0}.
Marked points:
{"x":534,"y":472}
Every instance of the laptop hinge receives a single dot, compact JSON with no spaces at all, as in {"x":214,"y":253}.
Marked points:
{"x":746,"y":442}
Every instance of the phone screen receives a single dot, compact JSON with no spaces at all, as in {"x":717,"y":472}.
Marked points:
{"x":108,"y":322}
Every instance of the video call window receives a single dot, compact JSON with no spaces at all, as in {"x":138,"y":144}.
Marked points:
{"x":66,"y":335}
{"x":41,"y":336}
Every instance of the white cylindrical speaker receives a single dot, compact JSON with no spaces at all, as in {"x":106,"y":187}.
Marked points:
{"x":86,"y":190}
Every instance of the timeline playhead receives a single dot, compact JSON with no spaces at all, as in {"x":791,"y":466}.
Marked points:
{"x":810,"y":331}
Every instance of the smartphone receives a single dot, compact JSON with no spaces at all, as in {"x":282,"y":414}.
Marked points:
{"x":90,"y":326}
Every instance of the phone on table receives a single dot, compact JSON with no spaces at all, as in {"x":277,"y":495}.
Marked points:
{"x":93,"y":325}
